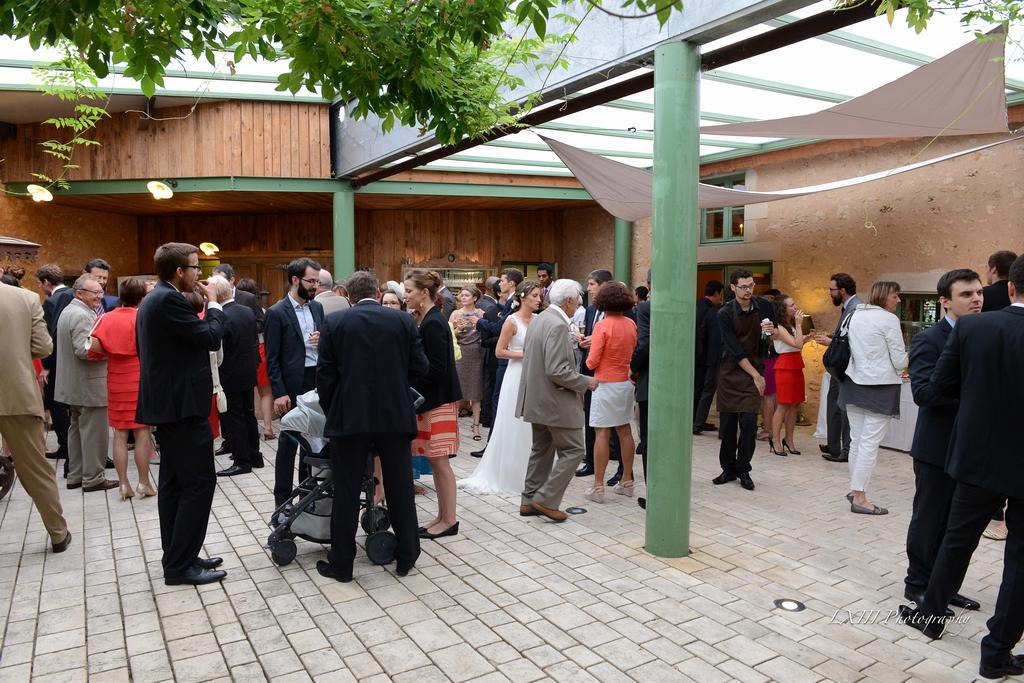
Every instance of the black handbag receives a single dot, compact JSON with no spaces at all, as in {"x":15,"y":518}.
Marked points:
{"x":837,"y":356}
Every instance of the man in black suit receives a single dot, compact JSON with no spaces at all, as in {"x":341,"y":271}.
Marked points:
{"x":842,"y":289}
{"x":982,"y":360}
{"x":238,"y":378}
{"x":369,"y":357}
{"x":489,"y":302}
{"x":58,"y":296}
{"x":639,"y":367}
{"x":707,"y":350}
{"x":960,"y":293}
{"x":490,"y":329}
{"x":247,"y":299}
{"x":291,"y":333}
{"x":997,"y":296}
{"x":175,"y":385}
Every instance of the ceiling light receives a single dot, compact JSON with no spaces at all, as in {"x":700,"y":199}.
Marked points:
{"x":790,"y":605}
{"x":39,"y":193}
{"x":209,"y":248}
{"x":161,"y":189}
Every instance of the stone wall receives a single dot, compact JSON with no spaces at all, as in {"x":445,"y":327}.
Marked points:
{"x":70,"y":237}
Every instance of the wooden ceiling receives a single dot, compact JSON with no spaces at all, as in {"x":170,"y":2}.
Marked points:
{"x":294,"y":202}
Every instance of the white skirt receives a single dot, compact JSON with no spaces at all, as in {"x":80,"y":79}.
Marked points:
{"x":611,"y":404}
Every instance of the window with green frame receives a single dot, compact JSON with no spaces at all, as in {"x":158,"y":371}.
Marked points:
{"x":726,"y":224}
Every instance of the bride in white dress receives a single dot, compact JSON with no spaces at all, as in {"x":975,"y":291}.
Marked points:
{"x":503,"y":467}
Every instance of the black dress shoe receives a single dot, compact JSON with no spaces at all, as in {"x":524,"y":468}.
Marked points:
{"x":450,"y":531}
{"x":56,"y":455}
{"x":74,"y":486}
{"x":918,"y":599}
{"x":479,"y":453}
{"x":746,"y":482}
{"x":930,"y":626}
{"x":723,"y":478}
{"x":257,"y":463}
{"x":825,"y":449}
{"x":697,"y":431}
{"x":209,"y":562}
{"x":195,"y":576}
{"x":835,"y":458}
{"x":642,"y":502}
{"x":964,"y":602}
{"x":1013,"y":665}
{"x":63,"y":545}
{"x":585,"y":470}
{"x":109,"y":465}
{"x":403,"y":570}
{"x":225,"y":449}
{"x":708,"y":427}
{"x":614,"y":479}
{"x":324,"y":568}
{"x":233,"y":470}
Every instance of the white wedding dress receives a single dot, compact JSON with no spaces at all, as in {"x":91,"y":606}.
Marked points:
{"x":503,"y":467}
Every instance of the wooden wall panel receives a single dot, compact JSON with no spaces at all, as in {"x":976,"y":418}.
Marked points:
{"x":216,"y":139}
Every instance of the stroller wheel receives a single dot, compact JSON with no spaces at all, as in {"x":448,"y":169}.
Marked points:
{"x":375,"y":519}
{"x":380,"y":547}
{"x":283,"y":552}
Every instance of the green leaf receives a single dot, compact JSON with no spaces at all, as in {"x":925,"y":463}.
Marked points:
{"x":148,"y":86}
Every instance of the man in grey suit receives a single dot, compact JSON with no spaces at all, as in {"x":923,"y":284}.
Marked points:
{"x":82,"y":386}
{"x":843,"y":291}
{"x":551,"y":400}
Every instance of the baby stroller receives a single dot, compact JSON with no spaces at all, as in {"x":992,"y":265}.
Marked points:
{"x":307,"y":512}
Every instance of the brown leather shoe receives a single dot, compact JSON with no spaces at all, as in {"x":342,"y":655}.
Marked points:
{"x":102,"y":486}
{"x":553,"y":515}
{"x":63,"y":545}
{"x":527,"y":511}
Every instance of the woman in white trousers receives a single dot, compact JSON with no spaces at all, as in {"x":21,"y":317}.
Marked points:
{"x":871,"y":392}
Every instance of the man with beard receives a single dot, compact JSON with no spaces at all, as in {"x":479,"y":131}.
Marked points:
{"x":291,"y":331}
{"x":843,"y":291}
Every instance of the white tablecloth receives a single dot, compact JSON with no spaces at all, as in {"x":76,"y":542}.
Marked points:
{"x":901,"y":432}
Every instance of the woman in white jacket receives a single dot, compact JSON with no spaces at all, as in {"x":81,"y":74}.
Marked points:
{"x":871,"y":393}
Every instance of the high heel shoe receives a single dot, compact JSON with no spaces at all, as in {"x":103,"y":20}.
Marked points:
{"x":771,"y":445}
{"x":126,"y":491}
{"x":786,"y":447}
{"x":146,"y":491}
{"x":476,"y":432}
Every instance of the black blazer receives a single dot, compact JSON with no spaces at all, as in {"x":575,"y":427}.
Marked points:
{"x":369,"y":357}
{"x":997,"y":296}
{"x":52,"y":308}
{"x":174,"y":357}
{"x":640,"y":362}
{"x":983,"y":365}
{"x":286,"y":347}
{"x":252,"y":302}
{"x":703,"y":354}
{"x":440,"y":385}
{"x":935,"y":419}
{"x":241,"y":349}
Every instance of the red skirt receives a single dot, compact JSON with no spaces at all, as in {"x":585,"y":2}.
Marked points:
{"x":789,"y":378}
{"x":438,"y":432}
{"x":262,"y":376}
{"x":214,"y":418}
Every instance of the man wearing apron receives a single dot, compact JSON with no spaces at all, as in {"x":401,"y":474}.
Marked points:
{"x":740,"y":380}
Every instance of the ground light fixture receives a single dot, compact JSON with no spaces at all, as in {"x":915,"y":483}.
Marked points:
{"x":39,"y":193}
{"x":161,"y":189}
{"x":790,"y":605}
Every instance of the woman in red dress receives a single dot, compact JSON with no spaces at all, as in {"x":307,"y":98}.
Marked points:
{"x":264,"y":396}
{"x":114,"y":337}
{"x":789,"y":342}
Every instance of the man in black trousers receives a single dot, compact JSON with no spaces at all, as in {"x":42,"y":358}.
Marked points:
{"x":291,"y":332}
{"x":369,"y":357}
{"x":960,"y":293}
{"x":982,"y":360}
{"x":489,"y":304}
{"x":639,"y":367}
{"x":175,"y":385}
{"x":238,"y":378}
{"x":842,"y":289}
{"x":707,"y":350}
{"x":490,"y":329}
{"x":58,"y":296}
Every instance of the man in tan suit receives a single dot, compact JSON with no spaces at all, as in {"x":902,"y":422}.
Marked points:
{"x":550,"y":398}
{"x":82,"y":386}
{"x":23,"y":336}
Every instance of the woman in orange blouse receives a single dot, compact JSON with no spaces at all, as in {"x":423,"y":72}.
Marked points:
{"x":611,"y":405}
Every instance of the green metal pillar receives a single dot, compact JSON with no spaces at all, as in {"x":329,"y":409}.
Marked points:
{"x":674,"y":279}
{"x":623,"y":250}
{"x":344,"y":233}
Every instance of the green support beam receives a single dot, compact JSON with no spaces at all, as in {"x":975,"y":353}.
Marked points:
{"x":641,"y":135}
{"x":505,"y":161}
{"x":623,"y":260}
{"x":773,"y":86}
{"x":474,"y":190}
{"x":541,"y":147}
{"x":674,"y":280}
{"x":344,"y":230}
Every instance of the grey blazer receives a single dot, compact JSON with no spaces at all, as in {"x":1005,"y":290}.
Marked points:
{"x":80,"y":382}
{"x":550,"y":387}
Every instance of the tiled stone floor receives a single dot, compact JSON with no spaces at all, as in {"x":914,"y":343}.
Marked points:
{"x":509,"y":598}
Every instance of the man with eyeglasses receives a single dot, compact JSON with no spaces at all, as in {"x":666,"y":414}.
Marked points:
{"x":843,"y":291}
{"x":742,"y":323}
{"x":291,"y":331}
{"x":81,"y":384}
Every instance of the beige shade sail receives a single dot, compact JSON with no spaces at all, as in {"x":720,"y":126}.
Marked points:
{"x":962,"y":93}
{"x":625,"y":191}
